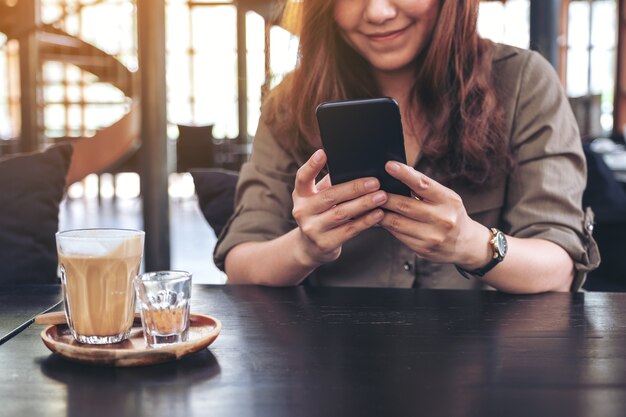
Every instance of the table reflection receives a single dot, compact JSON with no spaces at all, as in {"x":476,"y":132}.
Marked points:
{"x":473,"y":347}
{"x":162,"y":389}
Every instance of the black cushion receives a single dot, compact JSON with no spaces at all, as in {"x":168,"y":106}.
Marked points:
{"x":216,"y":195}
{"x":194,"y":147}
{"x":603,"y":193}
{"x":31,"y":189}
{"x":607,"y":198}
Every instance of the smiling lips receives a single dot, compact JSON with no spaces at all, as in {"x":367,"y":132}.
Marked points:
{"x":386,"y":36}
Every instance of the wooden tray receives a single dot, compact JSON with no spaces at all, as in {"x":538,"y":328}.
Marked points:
{"x":203,"y":331}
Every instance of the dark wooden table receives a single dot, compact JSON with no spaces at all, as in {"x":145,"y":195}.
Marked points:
{"x":20,"y":304}
{"x":354,"y":352}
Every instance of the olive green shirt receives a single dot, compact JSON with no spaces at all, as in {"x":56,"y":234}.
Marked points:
{"x":541,"y":198}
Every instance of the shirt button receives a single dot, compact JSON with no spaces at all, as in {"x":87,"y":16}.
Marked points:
{"x":408,"y":266}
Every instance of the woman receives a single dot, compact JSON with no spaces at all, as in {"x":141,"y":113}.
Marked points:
{"x":494,"y":159}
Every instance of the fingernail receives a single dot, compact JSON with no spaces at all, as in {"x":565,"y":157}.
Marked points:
{"x":377,"y":215}
{"x":379,"y":197}
{"x":317,"y":156}
{"x":393,"y":166}
{"x":371,"y":184}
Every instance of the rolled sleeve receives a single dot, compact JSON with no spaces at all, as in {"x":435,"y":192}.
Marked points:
{"x":263,"y":202}
{"x":544,"y":198}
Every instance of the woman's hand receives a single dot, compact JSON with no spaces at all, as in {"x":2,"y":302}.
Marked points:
{"x":434,"y":223}
{"x":328,"y":215}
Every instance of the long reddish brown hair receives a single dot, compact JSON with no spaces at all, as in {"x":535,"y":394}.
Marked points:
{"x":454,"y":91}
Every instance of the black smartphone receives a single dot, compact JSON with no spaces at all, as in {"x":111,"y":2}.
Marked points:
{"x":359,"y":137}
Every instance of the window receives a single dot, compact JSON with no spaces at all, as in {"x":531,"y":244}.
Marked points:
{"x":591,"y":44}
{"x":506,"y":22}
{"x":202,"y":64}
{"x":5,"y":120}
{"x":9,"y":91}
{"x":201,"y":42}
{"x":79,"y":91}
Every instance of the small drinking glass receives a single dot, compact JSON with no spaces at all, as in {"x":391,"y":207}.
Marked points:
{"x":163,"y":298}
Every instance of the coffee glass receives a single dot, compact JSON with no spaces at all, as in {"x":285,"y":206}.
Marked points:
{"x":97,"y":268}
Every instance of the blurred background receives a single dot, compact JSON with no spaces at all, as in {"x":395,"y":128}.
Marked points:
{"x":85,"y":71}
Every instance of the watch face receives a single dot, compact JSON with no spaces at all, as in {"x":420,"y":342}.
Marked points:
{"x":501,"y":245}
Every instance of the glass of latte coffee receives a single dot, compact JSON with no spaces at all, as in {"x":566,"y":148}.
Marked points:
{"x":97,"y":268}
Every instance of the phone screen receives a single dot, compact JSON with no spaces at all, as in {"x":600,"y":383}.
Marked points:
{"x":359,"y":137}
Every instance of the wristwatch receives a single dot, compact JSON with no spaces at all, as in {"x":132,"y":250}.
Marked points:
{"x":498,"y":246}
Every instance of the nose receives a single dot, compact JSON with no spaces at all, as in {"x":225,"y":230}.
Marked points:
{"x":379,"y":11}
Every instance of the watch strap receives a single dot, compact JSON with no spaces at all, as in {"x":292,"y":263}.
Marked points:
{"x":495,"y":260}
{"x":480,"y":271}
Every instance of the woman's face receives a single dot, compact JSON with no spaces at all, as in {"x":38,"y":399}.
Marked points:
{"x":387,"y":33}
